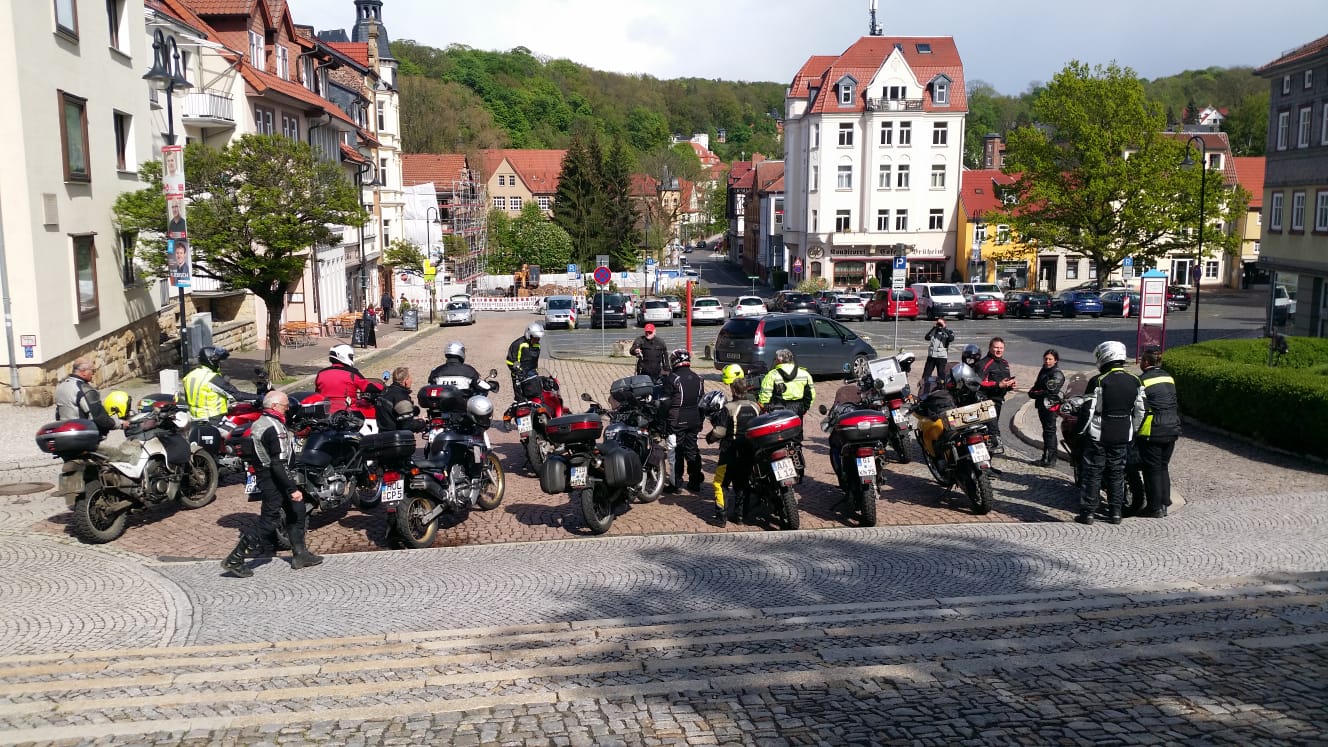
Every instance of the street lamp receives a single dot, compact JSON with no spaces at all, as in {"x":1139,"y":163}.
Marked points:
{"x":428,"y":251}
{"x":1198,"y":255}
{"x":373,"y":182}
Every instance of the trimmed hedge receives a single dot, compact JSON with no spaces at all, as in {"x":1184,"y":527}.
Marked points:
{"x":1228,"y":384}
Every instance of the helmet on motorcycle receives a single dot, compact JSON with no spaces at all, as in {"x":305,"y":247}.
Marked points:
{"x":535,"y":331}
{"x":479,"y":407}
{"x":680,"y":357}
{"x":732,"y":372}
{"x":905,"y":360}
{"x":116,"y":403}
{"x":971,"y":355}
{"x":711,"y":403}
{"x":212,"y":356}
{"x":456,"y":350}
{"x":1109,"y":353}
{"x":963,"y":378}
{"x":343,"y":354}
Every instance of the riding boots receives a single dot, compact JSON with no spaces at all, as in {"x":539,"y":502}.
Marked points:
{"x":234,"y":563}
{"x":301,"y":557}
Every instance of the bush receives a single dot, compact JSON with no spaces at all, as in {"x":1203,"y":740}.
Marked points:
{"x":813,"y":285}
{"x":873,"y":284}
{"x":1228,"y":384}
{"x":778,"y":279}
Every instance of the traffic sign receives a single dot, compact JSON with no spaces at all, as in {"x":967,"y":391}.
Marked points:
{"x":900,"y":263}
{"x":572,"y":269}
{"x":603,"y":275}
{"x":897,"y":282}
{"x":797,"y":265}
{"x":624,"y":275}
{"x":650,"y":261}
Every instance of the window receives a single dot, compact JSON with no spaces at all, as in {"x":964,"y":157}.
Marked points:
{"x":940,"y":92}
{"x":905,"y":133}
{"x":123,"y":157}
{"x":382,"y":171}
{"x":844,"y":176}
{"x":1309,"y":79}
{"x":1303,"y":132}
{"x":1283,"y":128}
{"x":1297,"y":211}
{"x":979,"y":232}
{"x":1286,"y":84}
{"x":256,"y":57}
{"x":1323,"y":127}
{"x":74,"y":137}
{"x":1071,"y":268}
{"x":883,"y":176}
{"x":845,"y":133}
{"x":1275,"y":213}
{"x":1321,"y":211}
{"x":264,"y":121}
{"x":1002,"y":233}
{"x":901,"y":178}
{"x":114,"y":12}
{"x":901,"y":220}
{"x":543,"y":202}
{"x":816,"y":136}
{"x":85,"y":275}
{"x":128,"y":274}
{"x":887,"y":133}
{"x":845,"y":94}
{"x":940,"y":133}
{"x":500,"y":203}
{"x":935,"y":219}
{"x":882,"y":220}
{"x":1092,"y":270}
{"x":895,"y":93}
{"x":1215,"y":161}
{"x":382,"y":115}
{"x":1210,"y":268}
{"x":816,"y":178}
{"x":779,"y":211}
{"x":843,"y":219}
{"x":283,"y":63}
{"x":938,"y":176}
{"x":502,"y":180}
{"x":514,"y":204}
{"x":816,"y":223}
{"x":290,"y":126}
{"x":66,"y":17}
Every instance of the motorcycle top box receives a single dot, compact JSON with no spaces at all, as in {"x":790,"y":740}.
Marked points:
{"x":863,"y":425}
{"x":155,"y":401}
{"x":575,"y":429}
{"x":961,"y":417}
{"x":389,"y":445}
{"x":773,"y":428}
{"x":436,"y":398}
{"x":535,"y":385}
{"x":632,"y":388}
{"x":66,"y":438}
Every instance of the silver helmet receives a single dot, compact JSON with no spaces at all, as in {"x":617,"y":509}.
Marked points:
{"x":1110,"y":352}
{"x":535,"y":331}
{"x":456,"y":350}
{"x":479,"y":407}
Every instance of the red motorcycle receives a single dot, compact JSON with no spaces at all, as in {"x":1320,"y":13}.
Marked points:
{"x":538,"y":399}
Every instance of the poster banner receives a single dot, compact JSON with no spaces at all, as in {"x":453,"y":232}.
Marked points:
{"x":179,"y":263}
{"x":172,"y":170}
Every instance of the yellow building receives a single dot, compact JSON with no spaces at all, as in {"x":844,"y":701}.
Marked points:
{"x":990,"y":252}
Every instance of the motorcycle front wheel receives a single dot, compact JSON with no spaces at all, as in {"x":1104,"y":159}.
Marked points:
{"x":411,"y":528}
{"x":597,"y":507}
{"x":788,"y":508}
{"x":494,"y":484}
{"x":652,"y":484}
{"x":978,"y":489}
{"x":95,"y":523}
{"x":200,"y":485}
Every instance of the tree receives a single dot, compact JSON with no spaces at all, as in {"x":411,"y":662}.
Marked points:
{"x":1098,"y":175}
{"x":576,"y":204}
{"x":405,"y":255}
{"x":502,"y":256}
{"x":1247,"y":125}
{"x":255,"y":209}
{"x":620,"y":214}
{"x":538,"y":241}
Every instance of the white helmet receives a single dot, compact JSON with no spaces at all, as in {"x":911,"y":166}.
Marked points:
{"x":343,"y":354}
{"x":535,"y":331}
{"x":455,"y":349}
{"x":479,"y":407}
{"x":1110,"y":352}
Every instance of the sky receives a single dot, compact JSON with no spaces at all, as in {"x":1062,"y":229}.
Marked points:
{"x":1009,"y":44}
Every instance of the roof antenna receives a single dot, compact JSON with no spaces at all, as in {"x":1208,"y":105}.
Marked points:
{"x":873,"y":29}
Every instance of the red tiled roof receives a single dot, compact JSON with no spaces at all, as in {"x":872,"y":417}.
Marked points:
{"x":864,"y":58}
{"x":537,"y":169}
{"x":350,"y":154}
{"x":767,"y":173}
{"x":357,"y":52}
{"x":643,"y":185}
{"x":262,"y":82}
{"x":977,"y":190}
{"x":1299,"y":54}
{"x":435,"y":168}
{"x":810,"y":75}
{"x":1249,"y":173}
{"x":221,"y":7}
{"x":1215,"y":142}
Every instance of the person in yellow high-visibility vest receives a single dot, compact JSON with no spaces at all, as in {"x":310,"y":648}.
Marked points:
{"x":207,"y":391}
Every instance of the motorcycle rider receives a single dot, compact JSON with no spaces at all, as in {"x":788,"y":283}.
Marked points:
{"x":682,"y":391}
{"x":75,"y":397}
{"x":1115,"y":413}
{"x":523,"y":354}
{"x":340,"y":382}
{"x":1046,"y":394}
{"x":208,"y":391}
{"x":454,"y":372}
{"x":395,"y":409}
{"x":997,"y":381}
{"x":798,"y":391}
{"x":1158,"y":434}
{"x":651,"y":353}
{"x":283,"y":502}
{"x":735,"y":454}
{"x":938,"y":340}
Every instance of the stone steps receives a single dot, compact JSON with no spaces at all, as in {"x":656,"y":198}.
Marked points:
{"x":122,"y":693}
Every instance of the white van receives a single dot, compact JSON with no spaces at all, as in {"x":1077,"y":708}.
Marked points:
{"x":972,"y":289}
{"x":560,"y":311}
{"x":936,"y":300}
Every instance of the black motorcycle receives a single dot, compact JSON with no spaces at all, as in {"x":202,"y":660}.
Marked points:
{"x":773,"y":439}
{"x":857,"y":443}
{"x":886,"y":388}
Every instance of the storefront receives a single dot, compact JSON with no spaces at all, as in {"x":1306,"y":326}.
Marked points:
{"x":1012,"y":274}
{"x":926,"y":270}
{"x":849,"y":274}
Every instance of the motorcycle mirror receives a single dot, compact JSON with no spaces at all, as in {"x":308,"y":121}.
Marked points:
{"x":585,"y":397}
{"x":823,"y":409}
{"x":493,"y":387}
{"x":493,"y":372}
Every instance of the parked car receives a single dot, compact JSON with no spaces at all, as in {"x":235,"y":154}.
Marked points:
{"x":824,"y":299}
{"x":1028,"y":304}
{"x":847,"y":307}
{"x":885,"y":305}
{"x":707,"y":311}
{"x":798,"y":302}
{"x":1114,"y":303}
{"x":560,"y":311}
{"x":654,"y":311}
{"x":1284,"y":305}
{"x":983,"y":305}
{"x":1178,"y":298}
{"x":972,"y":289}
{"x":1074,"y":302}
{"x":937,"y":300}
{"x":747,"y":306}
{"x":675,"y":306}
{"x":458,"y":312}
{"x":866,"y":297}
{"x":821,"y":345}
{"x":608,"y":310}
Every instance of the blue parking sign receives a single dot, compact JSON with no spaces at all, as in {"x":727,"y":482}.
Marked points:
{"x":572,"y":269}
{"x":900,"y":263}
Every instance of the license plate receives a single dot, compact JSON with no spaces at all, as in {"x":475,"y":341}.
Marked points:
{"x":784,"y":469}
{"x":578,"y":478}
{"x":733,"y":356}
{"x":900,"y":416}
{"x":523,"y":425}
{"x":250,"y":484}
{"x":866,"y":466}
{"x":979,"y":452}
{"x":393,"y":492}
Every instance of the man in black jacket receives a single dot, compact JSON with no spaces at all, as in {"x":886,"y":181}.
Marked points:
{"x":395,"y":409}
{"x":651,"y":353}
{"x":683,"y":390}
{"x":1115,"y":414}
{"x":1158,"y":434}
{"x":997,"y":381}
{"x":283,"y":502}
{"x":455,"y":372}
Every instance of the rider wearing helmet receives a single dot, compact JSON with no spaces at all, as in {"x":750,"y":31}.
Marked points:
{"x":682,"y":391}
{"x":523,"y":354}
{"x":1116,"y":410}
{"x":75,"y":397}
{"x":963,"y":386}
{"x":208,"y":392}
{"x":340,"y":382}
{"x":454,"y":372}
{"x":735,"y":460}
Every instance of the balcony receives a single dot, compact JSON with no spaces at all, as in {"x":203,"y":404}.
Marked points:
{"x":894,"y":105}
{"x":207,"y":108}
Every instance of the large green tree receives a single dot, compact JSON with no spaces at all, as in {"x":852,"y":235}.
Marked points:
{"x":1098,"y":176}
{"x":255,"y":210}
{"x":576,"y":205}
{"x":620,"y":213}
{"x":539,"y":241}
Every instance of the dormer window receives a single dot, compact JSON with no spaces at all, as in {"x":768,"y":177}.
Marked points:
{"x":1215,"y":161}
{"x":940,"y":90}
{"x":256,"y":50}
{"x":845,"y":94}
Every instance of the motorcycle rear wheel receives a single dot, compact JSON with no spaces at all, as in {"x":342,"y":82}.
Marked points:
{"x":534,"y":454}
{"x":653,"y":483}
{"x":93,"y":523}
{"x":200,"y":486}
{"x":597,"y":507}
{"x":978,"y":489}
{"x":411,"y":529}
{"x":788,"y":508}
{"x":866,"y":497}
{"x":494,"y":484}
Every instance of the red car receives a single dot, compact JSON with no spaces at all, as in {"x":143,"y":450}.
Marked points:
{"x":884,"y":306}
{"x":986,"y":304}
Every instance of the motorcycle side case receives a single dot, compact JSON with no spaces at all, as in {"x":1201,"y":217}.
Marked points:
{"x":390,"y":445}
{"x":622,"y":467}
{"x":862,"y":426}
{"x":553,"y":475}
{"x":68,"y":438}
{"x":207,"y":436}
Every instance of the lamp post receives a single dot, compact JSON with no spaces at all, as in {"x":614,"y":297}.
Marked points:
{"x":1198,"y":254}
{"x":364,"y":275}
{"x":428,"y":251}
{"x":168,"y":71}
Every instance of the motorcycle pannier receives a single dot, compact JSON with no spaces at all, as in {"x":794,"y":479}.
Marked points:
{"x":978,"y":412}
{"x":553,"y":475}
{"x":632,"y":388}
{"x":67,"y":438}
{"x":622,"y":467}
{"x":861,"y":426}
{"x":442,"y":398}
{"x":574,"y":429}
{"x":769,"y":430}
{"x":389,"y":445}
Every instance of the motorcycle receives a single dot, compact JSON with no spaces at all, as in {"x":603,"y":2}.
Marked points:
{"x":335,"y":460}
{"x":857,"y":441}
{"x":886,"y":388}
{"x":216,"y":435}
{"x":459,"y":471}
{"x":959,"y":452}
{"x":101,"y":491}
{"x":773,"y":438}
{"x":537,"y":399}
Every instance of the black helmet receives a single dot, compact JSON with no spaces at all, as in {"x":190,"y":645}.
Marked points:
{"x":680,"y":357}
{"x":971,"y":355}
{"x":212,"y":356}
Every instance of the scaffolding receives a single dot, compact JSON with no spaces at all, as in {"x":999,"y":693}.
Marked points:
{"x":463,"y":212}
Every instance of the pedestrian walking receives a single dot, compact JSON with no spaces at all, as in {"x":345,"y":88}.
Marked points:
{"x":1116,"y":411}
{"x":682,"y":391}
{"x":386,"y":303}
{"x":1159,"y":432}
{"x":938,"y":340}
{"x":1046,"y":395}
{"x":997,"y":381}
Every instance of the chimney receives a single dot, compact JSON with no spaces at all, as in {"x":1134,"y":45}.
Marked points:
{"x":992,"y":152}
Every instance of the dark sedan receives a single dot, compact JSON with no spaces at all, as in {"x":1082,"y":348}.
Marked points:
{"x":1027,"y":305}
{"x":1075,"y":302}
{"x":798,"y":302}
{"x":1120,"y":303}
{"x":1178,"y":299}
